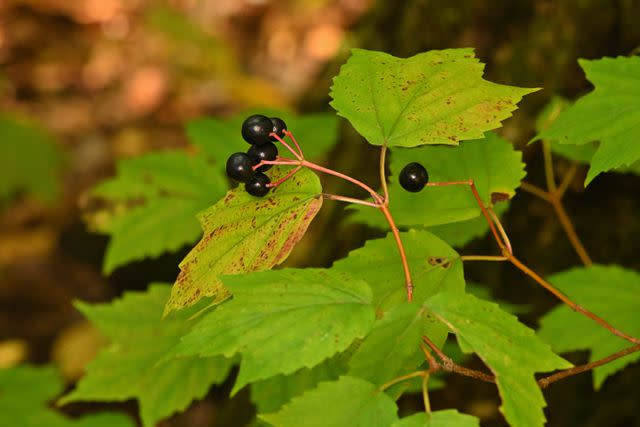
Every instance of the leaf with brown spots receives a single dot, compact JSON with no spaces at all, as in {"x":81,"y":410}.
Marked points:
{"x":243,"y":233}
{"x":436,"y":97}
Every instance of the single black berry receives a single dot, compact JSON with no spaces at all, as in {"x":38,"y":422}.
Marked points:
{"x":256,"y":129}
{"x":267,"y":151}
{"x":279,"y":126}
{"x":257,"y":186}
{"x":413,"y":177}
{"x":239,"y":167}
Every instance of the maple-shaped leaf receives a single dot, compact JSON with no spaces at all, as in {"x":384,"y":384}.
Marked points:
{"x":348,"y":401}
{"x":494,"y":165}
{"x":30,"y":159}
{"x":270,"y":394}
{"x":436,"y":97}
{"x":25,"y":396}
{"x":609,"y":114}
{"x":150,"y":206}
{"x":130,"y":367}
{"x":612,"y":293}
{"x":217,"y":138}
{"x":283,"y":320}
{"x":244,"y":233}
{"x":509,"y":348}
{"x":443,"y":418}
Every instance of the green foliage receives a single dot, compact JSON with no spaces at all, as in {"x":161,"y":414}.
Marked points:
{"x":436,"y":97}
{"x":492,"y":163}
{"x":281,"y":321}
{"x":150,"y":206}
{"x":611,"y":292}
{"x":30,"y":160}
{"x":609,"y":114}
{"x":510,"y":349}
{"x":354,"y":403}
{"x":25,"y":392}
{"x":129,"y":367}
{"x":234,"y":225}
{"x":316,"y":133}
{"x":270,"y":394}
{"x":444,"y":418}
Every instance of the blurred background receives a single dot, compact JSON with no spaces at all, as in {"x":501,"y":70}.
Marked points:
{"x":86,"y":83}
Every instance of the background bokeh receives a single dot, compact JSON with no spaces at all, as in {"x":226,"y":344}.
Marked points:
{"x":85,"y":83}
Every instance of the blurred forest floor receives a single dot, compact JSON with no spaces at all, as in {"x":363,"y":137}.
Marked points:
{"x":111,"y":79}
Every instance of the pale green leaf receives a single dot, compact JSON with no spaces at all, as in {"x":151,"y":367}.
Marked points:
{"x":509,"y":348}
{"x":609,"y":114}
{"x":494,"y":165}
{"x":612,"y":293}
{"x":244,"y":233}
{"x":393,"y":346}
{"x":30,"y":160}
{"x":270,"y":394}
{"x":150,"y":206}
{"x":283,"y":320}
{"x":443,"y":418}
{"x":25,"y":395}
{"x":349,"y":402}
{"x":316,"y":133}
{"x":436,"y":97}
{"x":129,"y":367}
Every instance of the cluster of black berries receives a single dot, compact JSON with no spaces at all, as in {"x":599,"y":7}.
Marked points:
{"x":413,"y":177}
{"x":256,"y":130}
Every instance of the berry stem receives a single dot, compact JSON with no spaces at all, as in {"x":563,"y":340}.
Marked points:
{"x":360,"y":184}
{"x":290,"y":135}
{"x":284,"y":178}
{"x":403,"y":257}
{"x":349,"y":200}
{"x":279,"y":161}
{"x":287,"y":146}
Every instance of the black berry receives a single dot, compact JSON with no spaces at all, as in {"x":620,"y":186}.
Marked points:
{"x":267,"y":151}
{"x":256,"y":129}
{"x":279,"y":126}
{"x":239,"y":167}
{"x":257,"y":186}
{"x":414,"y":177}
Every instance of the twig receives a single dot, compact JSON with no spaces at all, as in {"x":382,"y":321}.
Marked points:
{"x":383,"y":175}
{"x":544,"y":382}
{"x":503,"y":233}
{"x":403,"y":256}
{"x":562,"y":297}
{"x":483,"y":258}
{"x":349,"y":200}
{"x":425,"y":393}
{"x":548,"y":167}
{"x":449,"y":365}
{"x":566,"y":180}
{"x":397,"y":380}
{"x":570,"y":231}
{"x":535,"y":190}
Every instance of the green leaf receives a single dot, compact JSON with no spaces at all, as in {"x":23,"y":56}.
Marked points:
{"x":150,"y":206}
{"x":393,"y":346}
{"x":30,"y":160}
{"x":270,"y":394}
{"x":509,"y":348}
{"x":24,"y":395}
{"x":349,"y":402}
{"x":436,"y":97}
{"x":283,"y":320}
{"x":443,"y":418}
{"x":129,"y":368}
{"x":435,"y":267}
{"x":609,"y":114}
{"x":582,"y":153}
{"x":483,"y":292}
{"x":612,"y":293}
{"x":494,"y":165}
{"x":243,"y":233}
{"x":316,"y":133}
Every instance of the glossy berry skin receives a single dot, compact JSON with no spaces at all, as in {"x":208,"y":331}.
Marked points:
{"x":239,"y":167}
{"x":413,"y":177}
{"x":267,"y":151}
{"x":256,"y":129}
{"x":257,"y":186}
{"x":279,"y":126}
